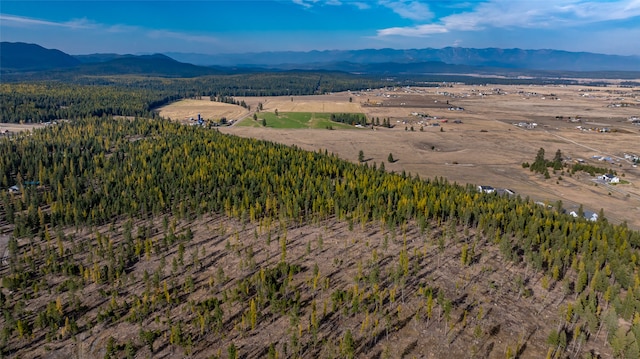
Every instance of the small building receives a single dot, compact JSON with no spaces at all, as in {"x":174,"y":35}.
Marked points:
{"x":588,"y":215}
{"x":14,"y":189}
{"x":609,"y":177}
{"x":486,"y":189}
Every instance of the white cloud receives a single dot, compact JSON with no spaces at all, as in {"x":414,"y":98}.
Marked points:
{"x":414,"y":31}
{"x":121,"y":28}
{"x":161,"y":34}
{"x":360,"y":5}
{"x":309,"y":3}
{"x":540,"y":14}
{"x":20,"y":21}
{"x":85,"y":24}
{"x":304,"y":3}
{"x":604,"y":11}
{"x":412,"y":10}
{"x":505,"y":14}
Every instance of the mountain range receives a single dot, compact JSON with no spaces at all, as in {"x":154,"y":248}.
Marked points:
{"x":16,"y":58}
{"x":551,"y":60}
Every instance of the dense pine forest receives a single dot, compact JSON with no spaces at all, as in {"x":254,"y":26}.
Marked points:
{"x":126,"y":224}
{"x":43,"y":101}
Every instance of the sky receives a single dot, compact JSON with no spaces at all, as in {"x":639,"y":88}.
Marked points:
{"x":241,"y":26}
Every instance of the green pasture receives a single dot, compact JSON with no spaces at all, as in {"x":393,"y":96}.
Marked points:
{"x":294,"y":120}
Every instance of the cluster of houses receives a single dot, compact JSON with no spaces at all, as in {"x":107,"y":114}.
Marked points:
{"x":604,"y":159}
{"x":588,"y":215}
{"x":427,"y":120}
{"x":527,"y":125}
{"x":617,"y":104}
{"x":200,"y":121}
{"x":593,"y":129}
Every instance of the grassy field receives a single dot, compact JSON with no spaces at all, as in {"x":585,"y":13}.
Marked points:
{"x":294,"y":120}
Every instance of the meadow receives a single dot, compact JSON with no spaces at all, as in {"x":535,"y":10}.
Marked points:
{"x":293,"y":120}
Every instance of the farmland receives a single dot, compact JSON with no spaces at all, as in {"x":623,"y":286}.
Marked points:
{"x":480,"y":142}
{"x":487,"y":146}
{"x":293,"y":120}
{"x":188,"y":109}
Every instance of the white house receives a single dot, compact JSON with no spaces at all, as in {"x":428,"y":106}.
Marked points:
{"x":609,"y":177}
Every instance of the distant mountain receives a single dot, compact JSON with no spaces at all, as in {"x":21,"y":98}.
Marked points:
{"x":500,"y":58}
{"x":20,"y":56}
{"x":93,"y":58}
{"x":389,"y":68}
{"x":152,"y":65}
{"x":20,"y":60}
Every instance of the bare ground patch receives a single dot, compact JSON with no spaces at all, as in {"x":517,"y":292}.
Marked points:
{"x":496,"y":306}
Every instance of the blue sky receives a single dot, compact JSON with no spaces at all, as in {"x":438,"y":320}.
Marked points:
{"x":210,"y":27}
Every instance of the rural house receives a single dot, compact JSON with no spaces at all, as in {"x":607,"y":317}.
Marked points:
{"x":609,"y":177}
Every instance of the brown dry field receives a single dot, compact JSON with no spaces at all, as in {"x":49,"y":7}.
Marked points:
{"x":322,"y":103}
{"x":486,"y":148}
{"x":15,"y":127}
{"x":184,"y":110}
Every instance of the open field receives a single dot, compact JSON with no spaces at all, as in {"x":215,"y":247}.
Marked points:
{"x":292,"y":120}
{"x":486,"y":147}
{"x":332,"y":103}
{"x":9,"y":128}
{"x":185,"y":110}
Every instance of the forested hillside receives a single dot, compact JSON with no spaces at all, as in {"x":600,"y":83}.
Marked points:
{"x":29,"y":57}
{"x":103,"y":240}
